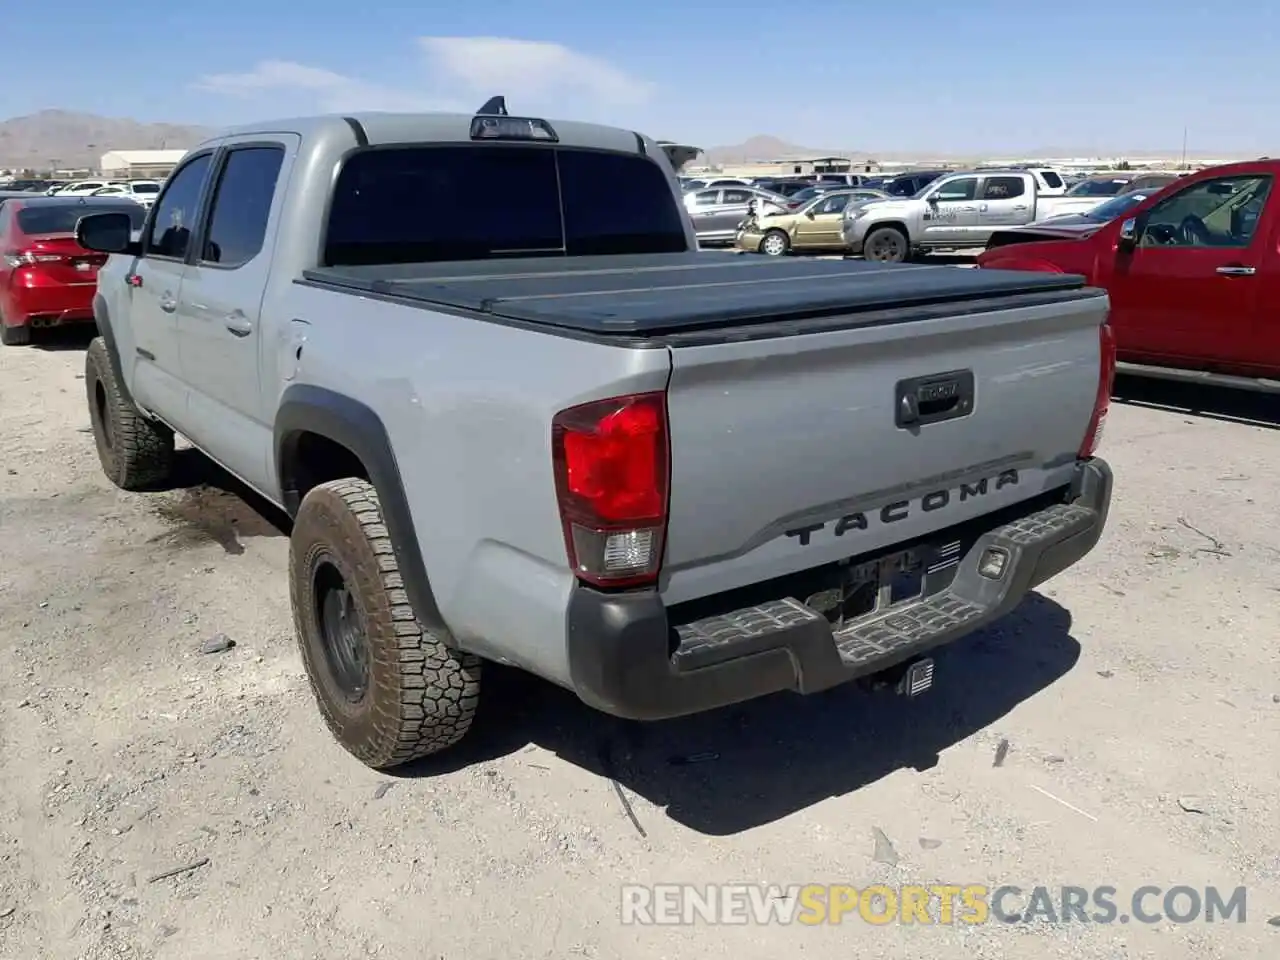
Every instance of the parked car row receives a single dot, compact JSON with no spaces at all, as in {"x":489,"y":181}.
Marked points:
{"x":958,"y":210}
{"x":141,"y":191}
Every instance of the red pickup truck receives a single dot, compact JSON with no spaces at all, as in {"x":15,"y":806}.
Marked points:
{"x":1193,"y":273}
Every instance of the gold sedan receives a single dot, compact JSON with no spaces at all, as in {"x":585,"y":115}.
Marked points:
{"x":812,"y":227}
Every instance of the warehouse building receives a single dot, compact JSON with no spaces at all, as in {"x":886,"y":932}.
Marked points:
{"x":140,"y":164}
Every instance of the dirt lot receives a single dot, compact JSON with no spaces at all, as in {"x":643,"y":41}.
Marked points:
{"x":1139,"y":696}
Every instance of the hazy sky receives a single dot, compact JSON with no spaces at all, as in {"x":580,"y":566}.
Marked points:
{"x":985,"y":75}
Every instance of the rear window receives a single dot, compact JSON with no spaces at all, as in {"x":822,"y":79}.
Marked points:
{"x":1097,"y":188}
{"x":145,"y":187}
{"x":63,"y":217}
{"x":472,"y":202}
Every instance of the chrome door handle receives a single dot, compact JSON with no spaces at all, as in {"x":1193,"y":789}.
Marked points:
{"x":1237,"y":271}
{"x":168,"y":303}
{"x":238,"y":324}
{"x":1021,"y":206}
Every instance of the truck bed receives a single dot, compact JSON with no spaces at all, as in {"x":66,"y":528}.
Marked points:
{"x":650,"y":295}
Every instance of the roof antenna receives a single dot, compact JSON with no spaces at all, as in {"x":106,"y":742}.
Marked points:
{"x":494,"y":106}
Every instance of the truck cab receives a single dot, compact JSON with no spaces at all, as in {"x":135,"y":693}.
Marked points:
{"x":1193,"y":275}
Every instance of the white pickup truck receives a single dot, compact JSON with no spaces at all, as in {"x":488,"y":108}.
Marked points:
{"x":954,"y":212}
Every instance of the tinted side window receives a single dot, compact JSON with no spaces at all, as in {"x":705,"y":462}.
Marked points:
{"x":176,"y":211}
{"x":438,"y":203}
{"x":1051,"y":179}
{"x":706,"y":198}
{"x":241,"y":205}
{"x":962,"y":189}
{"x":1003,"y":188}
{"x":736,"y":196}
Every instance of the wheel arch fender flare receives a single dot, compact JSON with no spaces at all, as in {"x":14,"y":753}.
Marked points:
{"x":892,"y":224}
{"x":309,"y":409}
{"x":102,"y":320}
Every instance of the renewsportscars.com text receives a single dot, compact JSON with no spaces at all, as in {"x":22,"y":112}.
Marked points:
{"x":932,"y":904}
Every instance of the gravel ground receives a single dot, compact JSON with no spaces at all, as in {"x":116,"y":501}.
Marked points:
{"x":1134,"y":705}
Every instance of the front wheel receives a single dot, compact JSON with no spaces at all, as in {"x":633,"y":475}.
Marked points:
{"x":389,"y":689}
{"x":775,"y":243}
{"x":886,"y":245}
{"x":135,"y":453}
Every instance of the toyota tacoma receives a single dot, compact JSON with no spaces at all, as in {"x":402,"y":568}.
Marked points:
{"x":536,"y":426}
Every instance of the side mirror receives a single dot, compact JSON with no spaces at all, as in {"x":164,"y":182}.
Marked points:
{"x":932,"y":199}
{"x":105,"y":232}
{"x":810,"y":214}
{"x":1128,"y":239}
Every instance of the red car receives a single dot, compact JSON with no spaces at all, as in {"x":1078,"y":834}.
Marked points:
{"x":1193,"y":272}
{"x":46,"y":278}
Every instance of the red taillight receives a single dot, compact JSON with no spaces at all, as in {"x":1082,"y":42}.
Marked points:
{"x":611,"y":465}
{"x":30,"y":258}
{"x":1106,"y":380}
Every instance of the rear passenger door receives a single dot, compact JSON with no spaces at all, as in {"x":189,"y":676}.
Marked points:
{"x":703,"y":210}
{"x":224,"y":345}
{"x":1003,"y":201}
{"x":732,"y":210}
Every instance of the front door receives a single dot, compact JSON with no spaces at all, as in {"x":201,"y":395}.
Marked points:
{"x":155,"y":287}
{"x":1188,"y":293}
{"x":951,"y":213}
{"x":819,"y":227}
{"x":222,"y":339}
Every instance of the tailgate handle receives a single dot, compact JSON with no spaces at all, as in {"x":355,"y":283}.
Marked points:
{"x":932,"y":399}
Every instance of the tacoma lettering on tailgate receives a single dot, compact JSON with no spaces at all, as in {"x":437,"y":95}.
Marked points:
{"x":900,"y":510}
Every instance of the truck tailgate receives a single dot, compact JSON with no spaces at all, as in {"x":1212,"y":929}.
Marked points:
{"x":791,"y":452}
{"x":787,"y":376}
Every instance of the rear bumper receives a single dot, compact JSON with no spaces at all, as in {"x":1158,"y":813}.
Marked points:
{"x":51,"y":305}
{"x":627,"y":659}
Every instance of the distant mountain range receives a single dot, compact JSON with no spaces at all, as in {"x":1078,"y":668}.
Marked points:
{"x":64,"y":139}
{"x":67,"y":139}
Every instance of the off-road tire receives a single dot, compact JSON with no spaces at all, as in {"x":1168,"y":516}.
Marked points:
{"x":135,"y":453}
{"x":421,"y":695}
{"x":902,"y":245}
{"x":14,"y":336}
{"x":786,"y":243}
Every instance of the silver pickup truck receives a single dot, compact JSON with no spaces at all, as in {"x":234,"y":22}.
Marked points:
{"x":954,"y":212}
{"x":536,"y":426}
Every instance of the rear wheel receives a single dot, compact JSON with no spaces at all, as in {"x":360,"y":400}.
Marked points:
{"x":775,"y":243}
{"x":886,"y":245}
{"x":389,"y":689}
{"x":135,"y":453}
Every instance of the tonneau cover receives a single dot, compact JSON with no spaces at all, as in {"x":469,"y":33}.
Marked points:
{"x":685,"y":291}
